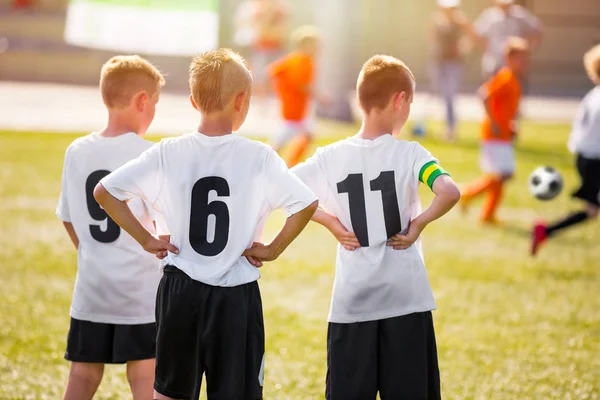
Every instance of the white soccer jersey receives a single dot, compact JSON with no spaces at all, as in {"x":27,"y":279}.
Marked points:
{"x":585,"y":135}
{"x":371,"y":186}
{"x":215,"y":194}
{"x":116,"y":279}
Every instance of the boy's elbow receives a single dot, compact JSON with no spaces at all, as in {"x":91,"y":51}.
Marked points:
{"x":313,"y":207}
{"x":454,"y":195}
{"x":100,"y":193}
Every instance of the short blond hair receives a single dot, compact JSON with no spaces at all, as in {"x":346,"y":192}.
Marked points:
{"x":380,"y":78}
{"x":515,"y":45}
{"x":591,"y":60}
{"x":122,"y":77}
{"x":305,"y":35}
{"x":216,"y":77}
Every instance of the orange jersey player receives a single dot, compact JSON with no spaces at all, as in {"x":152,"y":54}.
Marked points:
{"x":293,"y":78}
{"x":501,"y":96}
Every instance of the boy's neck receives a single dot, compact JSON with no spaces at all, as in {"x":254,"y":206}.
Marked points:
{"x":372,"y":129}
{"x":216,"y":125}
{"x":118,"y":124}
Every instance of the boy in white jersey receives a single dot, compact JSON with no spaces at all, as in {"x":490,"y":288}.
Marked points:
{"x":381,"y":336}
{"x":585,"y":143}
{"x":215,"y":189}
{"x":112,"y":314}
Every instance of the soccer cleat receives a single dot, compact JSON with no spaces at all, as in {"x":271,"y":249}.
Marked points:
{"x":538,"y":236}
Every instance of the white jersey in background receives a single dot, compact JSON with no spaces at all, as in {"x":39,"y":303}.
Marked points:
{"x":215,"y":194}
{"x":585,"y":134}
{"x":116,"y":279}
{"x":372,"y":186}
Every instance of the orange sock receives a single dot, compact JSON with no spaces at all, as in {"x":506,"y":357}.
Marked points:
{"x":297,"y":149}
{"x":478,"y":187}
{"x":492,"y":201}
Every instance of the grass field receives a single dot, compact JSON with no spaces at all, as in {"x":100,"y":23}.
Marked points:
{"x":508,"y":326}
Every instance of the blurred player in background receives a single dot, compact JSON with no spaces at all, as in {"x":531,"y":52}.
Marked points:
{"x":112,"y":314}
{"x":293,"y":77}
{"x":449,"y":27}
{"x":381,"y":336}
{"x":500,"y":22}
{"x":585,"y":143}
{"x":501,"y":96}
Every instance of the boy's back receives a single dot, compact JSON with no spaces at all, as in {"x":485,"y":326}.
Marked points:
{"x":371,"y":186}
{"x":215,"y":193}
{"x":116,"y":281}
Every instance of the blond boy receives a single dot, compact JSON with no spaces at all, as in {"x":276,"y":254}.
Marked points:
{"x":112,"y":314}
{"x":585,"y":144}
{"x":381,"y":336}
{"x":215,"y":190}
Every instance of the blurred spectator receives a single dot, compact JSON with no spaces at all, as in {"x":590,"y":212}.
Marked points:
{"x":499,"y":22}
{"x":270,"y":19}
{"x":449,"y":25}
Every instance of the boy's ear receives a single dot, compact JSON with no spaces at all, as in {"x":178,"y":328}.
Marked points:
{"x":140,"y":100}
{"x":398,"y":98}
{"x":193,"y":103}
{"x":240,"y":99}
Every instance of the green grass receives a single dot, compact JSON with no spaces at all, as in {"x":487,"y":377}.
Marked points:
{"x":508,"y":326}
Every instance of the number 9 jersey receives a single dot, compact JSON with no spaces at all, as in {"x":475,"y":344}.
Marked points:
{"x":216,"y":194}
{"x":372,"y":187}
{"x":116,"y":279}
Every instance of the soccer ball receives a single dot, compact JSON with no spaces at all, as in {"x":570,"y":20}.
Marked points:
{"x":545,"y":183}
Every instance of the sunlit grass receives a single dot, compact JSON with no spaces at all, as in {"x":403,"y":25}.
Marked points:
{"x":508,"y":326}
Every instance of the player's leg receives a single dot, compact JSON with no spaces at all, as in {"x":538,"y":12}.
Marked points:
{"x":352,"y":361}
{"x":89,"y":347}
{"x":589,"y":171}
{"x":449,"y":87}
{"x":298,"y":148}
{"x":178,"y":352}
{"x":140,"y":375}
{"x":287,"y":132}
{"x":235,"y":343}
{"x":84,"y":379}
{"x":136,"y":345}
{"x":408,"y":363}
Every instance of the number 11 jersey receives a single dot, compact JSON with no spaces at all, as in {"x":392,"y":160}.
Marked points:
{"x":116,"y":279}
{"x":372,"y":186}
{"x":215,"y":194}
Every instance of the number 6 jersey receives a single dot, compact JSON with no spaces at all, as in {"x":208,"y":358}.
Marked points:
{"x":372,"y":186}
{"x":116,"y":279}
{"x":215,"y":194}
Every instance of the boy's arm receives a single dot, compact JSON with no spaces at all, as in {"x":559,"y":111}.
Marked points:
{"x":446,"y":197}
{"x":72,"y":234}
{"x":292,"y":228}
{"x":347,"y":239}
{"x":120,"y":212}
{"x":485,"y":93}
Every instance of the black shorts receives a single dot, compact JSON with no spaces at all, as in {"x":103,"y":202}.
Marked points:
{"x":396,"y":357}
{"x":208,"y":329}
{"x":589,"y":171}
{"x":93,"y":342}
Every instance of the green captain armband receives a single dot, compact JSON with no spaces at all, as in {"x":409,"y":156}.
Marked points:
{"x":430,"y":172}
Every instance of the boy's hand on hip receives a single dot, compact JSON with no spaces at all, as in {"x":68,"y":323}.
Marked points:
{"x":259,"y":253}
{"x":403,"y":241}
{"x":159,"y":247}
{"x":347,"y":239}
{"x":163,"y":254}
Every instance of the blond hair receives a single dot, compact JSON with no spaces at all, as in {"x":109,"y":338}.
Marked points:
{"x":515,"y":45}
{"x":591,"y":60}
{"x":305,"y":35}
{"x":216,"y":77}
{"x":122,"y":77}
{"x":380,"y":78}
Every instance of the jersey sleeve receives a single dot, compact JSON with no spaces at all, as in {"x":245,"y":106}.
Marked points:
{"x":426,"y":167}
{"x":495,"y":86}
{"x":141,"y":177}
{"x":311,"y":173}
{"x":62,"y":210}
{"x":284,"y":189}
